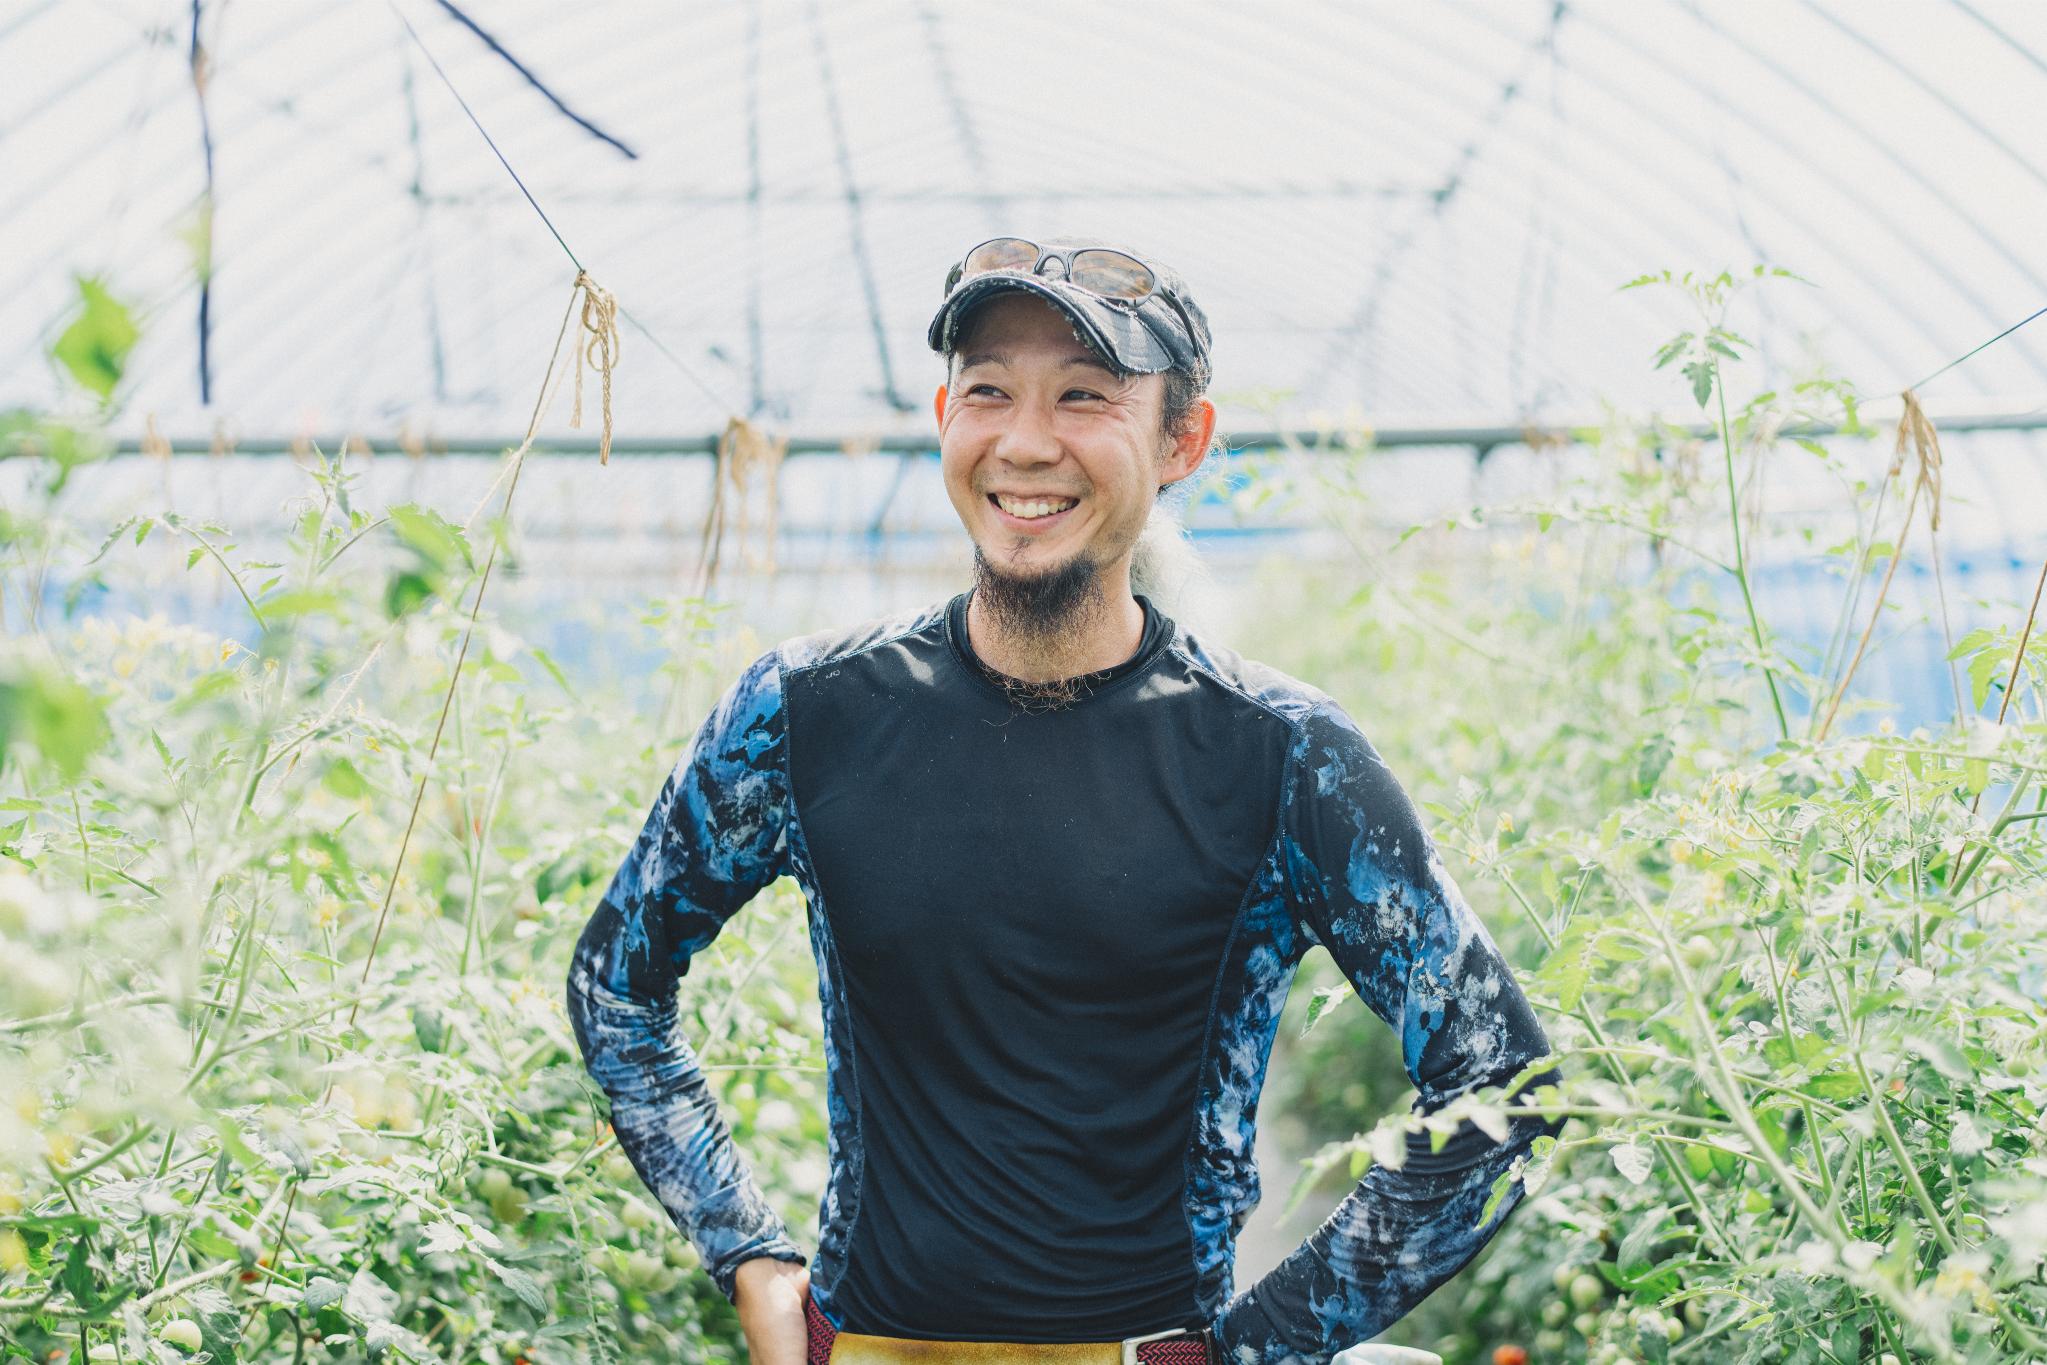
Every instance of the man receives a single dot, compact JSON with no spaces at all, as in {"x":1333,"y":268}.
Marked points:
{"x":1062,"y":859}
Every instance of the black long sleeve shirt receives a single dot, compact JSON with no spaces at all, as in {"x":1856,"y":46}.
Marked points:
{"x":1053,"y":947}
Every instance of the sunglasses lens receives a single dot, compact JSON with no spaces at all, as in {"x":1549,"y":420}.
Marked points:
{"x":1112,"y":274}
{"x":1004,"y":253}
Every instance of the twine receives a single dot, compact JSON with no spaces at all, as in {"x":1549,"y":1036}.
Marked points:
{"x":1926,"y":445}
{"x":599,"y":344}
{"x":153,"y":439}
{"x":1915,"y":425}
{"x":743,"y":449}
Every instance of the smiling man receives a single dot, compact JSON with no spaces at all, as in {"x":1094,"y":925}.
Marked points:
{"x":1062,"y":859}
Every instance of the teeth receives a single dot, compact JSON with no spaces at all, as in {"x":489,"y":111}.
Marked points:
{"x":1036,"y":507}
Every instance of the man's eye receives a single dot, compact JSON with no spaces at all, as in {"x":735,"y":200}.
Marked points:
{"x":984,"y":388}
{"x":1084,"y":393}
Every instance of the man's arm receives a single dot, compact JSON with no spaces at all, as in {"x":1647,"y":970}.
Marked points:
{"x":1367,"y":884}
{"x":715,"y":837}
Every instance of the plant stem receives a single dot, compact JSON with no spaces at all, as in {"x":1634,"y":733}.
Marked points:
{"x":1729,"y":1097}
{"x":1669,"y":1158}
{"x":1740,"y":559}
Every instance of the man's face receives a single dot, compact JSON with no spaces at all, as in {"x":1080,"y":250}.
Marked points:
{"x":1048,"y":455}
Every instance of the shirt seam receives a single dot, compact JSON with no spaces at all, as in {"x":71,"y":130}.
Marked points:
{"x":917,"y":626}
{"x":1275,"y":855}
{"x":859,"y":1105}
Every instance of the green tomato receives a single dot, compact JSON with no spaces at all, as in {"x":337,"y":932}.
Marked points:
{"x":182,"y":1333}
{"x":1554,"y":1312}
{"x":494,"y":1184}
{"x":1561,"y":1277}
{"x":1586,"y":1290}
{"x":1699,"y":950}
{"x":635,"y":1214}
{"x":509,"y":1207}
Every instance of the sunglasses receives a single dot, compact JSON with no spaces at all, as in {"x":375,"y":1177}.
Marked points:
{"x":1106,"y":273}
{"x":1111,"y":274}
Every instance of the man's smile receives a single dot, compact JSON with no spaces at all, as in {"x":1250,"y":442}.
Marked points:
{"x":1037,"y":513}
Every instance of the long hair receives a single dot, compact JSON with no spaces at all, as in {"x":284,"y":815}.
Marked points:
{"x":1165,"y":566}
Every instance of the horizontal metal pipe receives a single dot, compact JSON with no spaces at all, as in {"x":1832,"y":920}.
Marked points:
{"x":1480,"y":438}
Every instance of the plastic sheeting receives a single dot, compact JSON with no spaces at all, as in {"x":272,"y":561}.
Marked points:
{"x":1391,"y":211}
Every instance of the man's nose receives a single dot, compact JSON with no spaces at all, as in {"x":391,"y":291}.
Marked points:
{"x":1028,"y":438}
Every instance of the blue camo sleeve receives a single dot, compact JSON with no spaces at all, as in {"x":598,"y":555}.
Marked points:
{"x":715,"y":837}
{"x":1367,"y":884}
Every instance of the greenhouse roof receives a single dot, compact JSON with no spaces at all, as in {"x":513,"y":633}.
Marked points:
{"x":1389,"y":212}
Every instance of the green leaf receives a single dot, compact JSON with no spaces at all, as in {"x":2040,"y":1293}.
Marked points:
{"x":95,"y":347}
{"x":1700,"y":372}
{"x":430,"y":1027}
{"x":1941,"y":1054}
{"x":439,"y":541}
{"x":405,"y":592}
{"x":1672,"y":349}
{"x":1323,"y":999}
{"x":1973,"y":641}
{"x":1569,"y":967}
{"x":1833,"y":1085}
{"x":1650,"y":1228}
{"x":368,"y":1299}
{"x":344,"y":779}
{"x":298,"y":601}
{"x":321,"y":1291}
{"x":220,"y":1324}
{"x":1650,"y":760}
{"x":521,"y":1283}
{"x":77,"y":1277}
{"x":1501,"y":1184}
{"x":553,"y":669}
{"x":1976,"y":773}
{"x":231,"y":1142}
{"x":1985,"y":671}
{"x":61,"y":719}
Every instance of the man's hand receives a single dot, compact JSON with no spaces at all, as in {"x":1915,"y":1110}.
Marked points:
{"x":769,"y":1294}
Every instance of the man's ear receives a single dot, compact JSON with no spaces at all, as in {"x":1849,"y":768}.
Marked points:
{"x":1190,"y":447}
{"x":938,"y":405}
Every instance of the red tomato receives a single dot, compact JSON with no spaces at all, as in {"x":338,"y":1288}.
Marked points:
{"x":1509,"y":1355}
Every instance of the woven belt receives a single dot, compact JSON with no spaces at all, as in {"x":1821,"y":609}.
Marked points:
{"x":829,"y":1346}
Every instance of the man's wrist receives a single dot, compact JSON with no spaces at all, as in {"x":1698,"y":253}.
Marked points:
{"x":792,"y":1263}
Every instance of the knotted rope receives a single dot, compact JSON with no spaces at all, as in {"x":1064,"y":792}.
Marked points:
{"x":599,"y":344}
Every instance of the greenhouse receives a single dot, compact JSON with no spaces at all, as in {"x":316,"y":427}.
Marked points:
{"x":726,"y":682}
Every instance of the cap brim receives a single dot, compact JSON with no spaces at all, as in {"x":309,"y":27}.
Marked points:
{"x":1116,"y":332}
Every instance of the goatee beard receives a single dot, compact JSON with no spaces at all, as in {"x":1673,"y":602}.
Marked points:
{"x":1039,"y":611}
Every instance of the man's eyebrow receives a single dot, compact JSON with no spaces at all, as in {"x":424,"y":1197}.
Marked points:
{"x":1083,"y":362}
